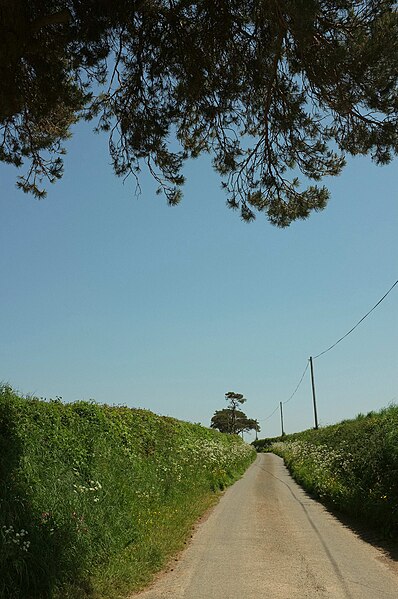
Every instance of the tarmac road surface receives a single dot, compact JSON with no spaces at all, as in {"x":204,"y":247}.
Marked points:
{"x":268,"y":539}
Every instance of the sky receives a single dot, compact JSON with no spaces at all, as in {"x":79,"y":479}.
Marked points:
{"x":128,"y":301}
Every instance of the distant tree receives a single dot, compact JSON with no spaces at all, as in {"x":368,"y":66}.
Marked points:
{"x":235,"y":400}
{"x":246,"y":425}
{"x":252,"y":425}
{"x":222,"y":421}
{"x":268,"y":89}
{"x":230,"y":419}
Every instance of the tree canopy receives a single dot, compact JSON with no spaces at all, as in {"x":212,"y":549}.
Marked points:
{"x":273,"y":90}
{"x":224,"y":421}
{"x":230,"y":419}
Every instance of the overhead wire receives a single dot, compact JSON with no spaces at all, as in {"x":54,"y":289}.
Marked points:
{"x":358,"y":323}
{"x":292,"y":395}
{"x":329,"y":348}
{"x":297,"y":388}
{"x":270,"y":416}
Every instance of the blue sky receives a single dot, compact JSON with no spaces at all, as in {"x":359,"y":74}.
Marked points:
{"x":128,"y":301}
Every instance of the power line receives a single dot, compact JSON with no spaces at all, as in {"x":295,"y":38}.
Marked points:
{"x":327,"y":350}
{"x":358,"y":323}
{"x":292,"y":395}
{"x":297,"y":388}
{"x":270,"y":416}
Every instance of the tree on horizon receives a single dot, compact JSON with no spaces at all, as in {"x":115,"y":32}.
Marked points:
{"x":232,"y":420}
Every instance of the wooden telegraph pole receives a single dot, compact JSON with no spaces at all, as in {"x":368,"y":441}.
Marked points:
{"x":280,"y":405}
{"x":313,"y":393}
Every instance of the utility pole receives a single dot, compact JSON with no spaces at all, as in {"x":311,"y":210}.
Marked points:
{"x":313,"y":393}
{"x":280,"y":405}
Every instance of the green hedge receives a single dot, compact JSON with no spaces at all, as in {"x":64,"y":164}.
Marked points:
{"x":352,"y":465}
{"x":94,"y":498}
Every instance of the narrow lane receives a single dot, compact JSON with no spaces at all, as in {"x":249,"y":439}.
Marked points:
{"x":267,"y":538}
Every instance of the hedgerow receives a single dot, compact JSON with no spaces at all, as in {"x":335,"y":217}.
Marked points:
{"x":94,"y":498}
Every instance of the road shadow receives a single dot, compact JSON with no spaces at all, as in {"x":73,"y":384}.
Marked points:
{"x":356,"y":524}
{"x":363,"y":530}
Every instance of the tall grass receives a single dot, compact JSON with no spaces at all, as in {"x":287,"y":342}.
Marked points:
{"x":93,"y":499}
{"x":352,"y":465}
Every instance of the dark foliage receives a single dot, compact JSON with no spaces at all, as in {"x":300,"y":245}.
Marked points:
{"x":270,"y":89}
{"x":226,"y":422}
{"x":231,"y":420}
